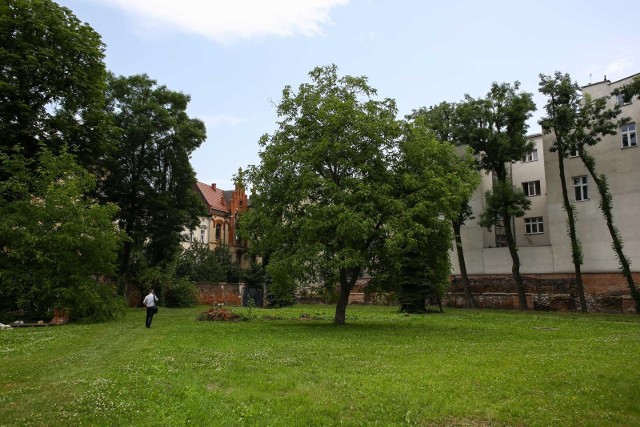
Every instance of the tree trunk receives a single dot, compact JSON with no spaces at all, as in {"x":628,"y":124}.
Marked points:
{"x":346,"y":285}
{"x":606,"y":206}
{"x":576,"y":251}
{"x":469,"y":303}
{"x":515,"y":268}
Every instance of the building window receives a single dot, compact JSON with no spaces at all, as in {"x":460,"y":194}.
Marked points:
{"x":581,"y":188}
{"x":533,"y":225}
{"x":218,"y":231}
{"x":201,"y":236}
{"x":620,"y":100}
{"x":501,"y":236}
{"x":628,"y":133}
{"x":531,"y":188}
{"x":573,"y":151}
{"x":531,"y":157}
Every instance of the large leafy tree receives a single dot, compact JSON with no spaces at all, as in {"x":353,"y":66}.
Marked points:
{"x":343,"y":186}
{"x":52,"y":81}
{"x":53,"y":237}
{"x":55,"y":240}
{"x":578,"y":122}
{"x":430,"y":182}
{"x":441,"y":119}
{"x":322,"y":190}
{"x":151,"y":178}
{"x":495,"y":127}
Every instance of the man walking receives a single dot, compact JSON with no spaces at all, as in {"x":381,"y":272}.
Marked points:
{"x":150,"y":301}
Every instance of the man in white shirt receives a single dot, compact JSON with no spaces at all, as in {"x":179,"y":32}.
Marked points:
{"x":150,"y":302}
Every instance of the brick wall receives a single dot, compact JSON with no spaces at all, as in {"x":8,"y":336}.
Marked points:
{"x":220,"y":293}
{"x":605,"y":292}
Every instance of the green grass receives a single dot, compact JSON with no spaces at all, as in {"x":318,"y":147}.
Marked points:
{"x":463,"y":368}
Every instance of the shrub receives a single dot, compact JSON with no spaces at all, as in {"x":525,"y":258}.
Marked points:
{"x":94,"y":302}
{"x":180,"y":293}
{"x":220,"y":314}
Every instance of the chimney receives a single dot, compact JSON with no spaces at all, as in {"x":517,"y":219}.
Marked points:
{"x":213,"y":186}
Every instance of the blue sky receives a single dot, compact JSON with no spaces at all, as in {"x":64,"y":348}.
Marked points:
{"x":234,"y":57}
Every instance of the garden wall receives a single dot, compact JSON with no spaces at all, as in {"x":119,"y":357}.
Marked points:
{"x":220,"y":293}
{"x":605,"y":292}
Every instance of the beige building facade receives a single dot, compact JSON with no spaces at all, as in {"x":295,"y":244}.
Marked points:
{"x":541,"y":235}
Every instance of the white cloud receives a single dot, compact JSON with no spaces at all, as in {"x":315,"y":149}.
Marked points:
{"x":229,"y":20}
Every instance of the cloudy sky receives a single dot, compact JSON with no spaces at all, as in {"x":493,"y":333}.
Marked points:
{"x":234,"y":57}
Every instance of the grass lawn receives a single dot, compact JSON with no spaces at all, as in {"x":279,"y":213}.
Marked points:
{"x":461,"y":368}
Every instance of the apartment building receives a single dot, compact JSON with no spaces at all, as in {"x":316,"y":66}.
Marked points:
{"x":541,"y":235}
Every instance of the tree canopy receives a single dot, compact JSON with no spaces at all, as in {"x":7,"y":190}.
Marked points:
{"x":52,"y":82}
{"x":495,"y":127}
{"x":150,"y":176}
{"x":325,"y":204}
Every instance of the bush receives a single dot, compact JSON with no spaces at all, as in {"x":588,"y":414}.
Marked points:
{"x":94,"y":302}
{"x":180,"y":293}
{"x":220,"y":314}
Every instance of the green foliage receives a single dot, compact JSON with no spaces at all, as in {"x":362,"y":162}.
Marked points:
{"x":322,"y":188}
{"x":222,"y":255}
{"x":495,"y":127}
{"x":199,"y":264}
{"x":180,"y":293}
{"x":52,"y":83}
{"x":55,"y":239}
{"x":579,"y":122}
{"x":504,"y":197}
{"x":629,"y":90}
{"x":431,"y":182}
{"x":150,"y":176}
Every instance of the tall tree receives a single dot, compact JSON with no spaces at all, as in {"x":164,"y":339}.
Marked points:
{"x":151,"y":178}
{"x":579,"y":122}
{"x":321,"y":191}
{"x":495,"y":127}
{"x":52,"y":82}
{"x":442,"y":121}
{"x":430,"y":182}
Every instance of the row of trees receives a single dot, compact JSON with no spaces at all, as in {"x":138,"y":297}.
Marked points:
{"x":344,"y":186}
{"x":95,"y":179}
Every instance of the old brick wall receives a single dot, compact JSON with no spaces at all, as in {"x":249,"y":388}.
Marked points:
{"x":220,"y":293}
{"x":605,"y":292}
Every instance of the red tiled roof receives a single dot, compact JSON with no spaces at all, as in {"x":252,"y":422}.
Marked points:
{"x":214,"y":197}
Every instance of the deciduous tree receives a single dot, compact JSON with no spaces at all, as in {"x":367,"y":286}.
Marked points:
{"x":52,"y":82}
{"x":56,"y":241}
{"x":495,"y":127}
{"x":339,"y":189}
{"x":151,"y":178}
{"x":441,"y":119}
{"x":322,"y":189}
{"x":578,"y":122}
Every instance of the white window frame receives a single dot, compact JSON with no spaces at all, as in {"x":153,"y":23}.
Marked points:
{"x":531,"y":157}
{"x":534,"y":225}
{"x":528,"y":186}
{"x":581,"y":188}
{"x":628,"y":136}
